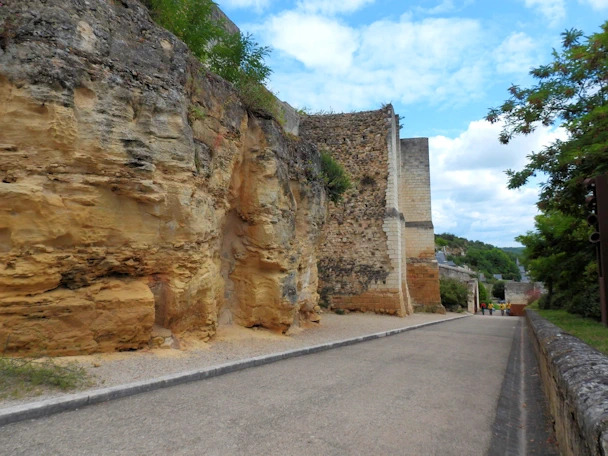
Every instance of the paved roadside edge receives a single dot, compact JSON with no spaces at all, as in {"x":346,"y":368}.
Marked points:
{"x":522,"y":425}
{"x":78,"y":400}
{"x":575,"y":381}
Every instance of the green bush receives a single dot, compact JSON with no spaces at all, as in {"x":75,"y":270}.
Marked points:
{"x":334,"y":176}
{"x":441,"y":242}
{"x":454,"y":294}
{"x":236,"y":57}
{"x":191,"y":21}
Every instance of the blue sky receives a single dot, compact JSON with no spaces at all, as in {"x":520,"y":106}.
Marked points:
{"x":442,"y":64}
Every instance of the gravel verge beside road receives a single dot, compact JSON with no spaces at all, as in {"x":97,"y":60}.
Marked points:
{"x":232,"y":343}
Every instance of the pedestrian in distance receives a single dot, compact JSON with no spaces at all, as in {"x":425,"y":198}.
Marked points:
{"x":503,"y":307}
{"x":491,"y":308}
{"x":509,"y":309}
{"x":483,"y":308}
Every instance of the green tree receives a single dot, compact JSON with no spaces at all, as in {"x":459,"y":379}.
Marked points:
{"x":480,"y":256}
{"x":558,"y":254}
{"x":498,"y":290}
{"x":235,"y":57}
{"x":571,"y":92}
{"x":441,"y":242}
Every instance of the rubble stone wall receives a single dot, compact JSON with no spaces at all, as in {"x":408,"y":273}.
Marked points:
{"x":519,"y":293}
{"x":575,"y":381}
{"x":360,"y":254}
{"x":373,"y":256}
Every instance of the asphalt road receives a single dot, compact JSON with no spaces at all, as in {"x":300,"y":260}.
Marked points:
{"x":431,"y":391}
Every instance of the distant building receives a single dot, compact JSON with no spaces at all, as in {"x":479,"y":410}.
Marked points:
{"x":443,"y":259}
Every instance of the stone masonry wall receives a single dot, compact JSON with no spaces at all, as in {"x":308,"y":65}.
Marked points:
{"x":422,"y":268}
{"x":575,"y":381}
{"x":519,"y":292}
{"x":360,"y":259}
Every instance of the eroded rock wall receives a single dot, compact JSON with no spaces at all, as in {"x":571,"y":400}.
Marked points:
{"x":136,"y":189}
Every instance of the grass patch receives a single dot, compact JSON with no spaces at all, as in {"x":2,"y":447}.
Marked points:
{"x":589,"y":331}
{"x":21,"y":377}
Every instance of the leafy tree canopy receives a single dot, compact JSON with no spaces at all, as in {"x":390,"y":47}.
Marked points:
{"x":570,"y":92}
{"x":481,"y":257}
{"x":558,"y":253}
{"x":234,"y":56}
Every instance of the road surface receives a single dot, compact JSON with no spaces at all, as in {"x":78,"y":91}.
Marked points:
{"x":431,"y":391}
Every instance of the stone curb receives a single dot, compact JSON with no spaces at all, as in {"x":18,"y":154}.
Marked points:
{"x":78,"y":400}
{"x":575,"y":378}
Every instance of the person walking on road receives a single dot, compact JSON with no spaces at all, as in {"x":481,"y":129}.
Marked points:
{"x":503,"y":306}
{"x":509,"y":309}
{"x":491,"y":308}
{"x":483,"y":308}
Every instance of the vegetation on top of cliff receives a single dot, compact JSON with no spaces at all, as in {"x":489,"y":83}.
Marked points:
{"x":235,"y":57}
{"x":479,"y":256}
{"x":570,"y":92}
{"x":334,"y":176}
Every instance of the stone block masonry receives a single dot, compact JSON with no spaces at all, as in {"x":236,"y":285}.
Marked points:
{"x":373,"y":257}
{"x":422,"y":270}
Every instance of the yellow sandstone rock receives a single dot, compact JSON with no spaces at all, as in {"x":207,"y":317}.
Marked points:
{"x":119,"y":210}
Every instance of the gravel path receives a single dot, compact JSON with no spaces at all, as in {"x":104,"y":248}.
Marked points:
{"x":232,"y":343}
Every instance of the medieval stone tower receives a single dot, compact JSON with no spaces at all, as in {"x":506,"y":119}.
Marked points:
{"x":378,"y":249}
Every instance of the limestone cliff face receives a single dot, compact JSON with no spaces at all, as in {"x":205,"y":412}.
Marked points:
{"x":136,"y":189}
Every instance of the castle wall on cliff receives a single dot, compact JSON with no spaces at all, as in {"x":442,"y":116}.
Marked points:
{"x":137,"y":192}
{"x":378,"y":247}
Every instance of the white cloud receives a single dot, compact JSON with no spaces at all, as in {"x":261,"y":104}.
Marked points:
{"x":596,"y":4}
{"x":515,"y":53}
{"x":436,"y":59}
{"x":332,"y":7}
{"x":444,"y":7}
{"x":469,"y":186}
{"x":257,"y":5}
{"x":553,"y":10}
{"x":319,"y":43}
